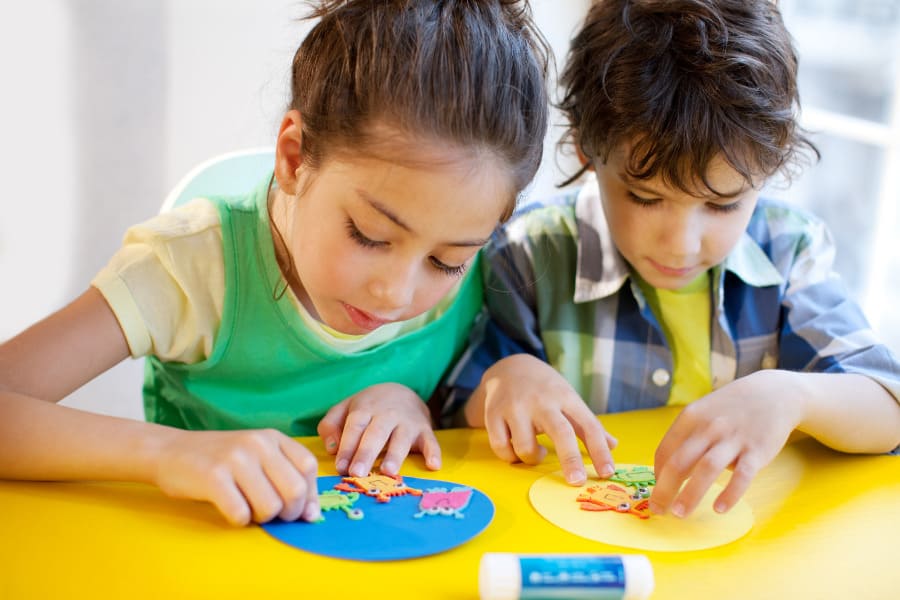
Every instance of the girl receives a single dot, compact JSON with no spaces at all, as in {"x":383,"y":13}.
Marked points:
{"x":338,"y":287}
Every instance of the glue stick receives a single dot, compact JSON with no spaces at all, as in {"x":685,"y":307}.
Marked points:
{"x":504,"y":576}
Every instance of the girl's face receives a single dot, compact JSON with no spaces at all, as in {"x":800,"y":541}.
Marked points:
{"x":668,"y":236}
{"x":375,"y":241}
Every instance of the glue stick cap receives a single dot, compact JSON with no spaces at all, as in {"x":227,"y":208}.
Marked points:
{"x":507,"y":576}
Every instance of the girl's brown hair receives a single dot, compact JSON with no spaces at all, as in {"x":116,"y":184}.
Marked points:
{"x":683,"y":81}
{"x":471,"y":73}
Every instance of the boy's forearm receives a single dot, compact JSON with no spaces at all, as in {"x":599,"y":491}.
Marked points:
{"x":848,"y":412}
{"x":40,"y":440}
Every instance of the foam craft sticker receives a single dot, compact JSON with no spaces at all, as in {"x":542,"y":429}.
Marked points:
{"x":606,"y":496}
{"x":334,"y":500}
{"x":390,"y":529}
{"x":439,"y":501}
{"x":554,"y":499}
{"x":380,"y":487}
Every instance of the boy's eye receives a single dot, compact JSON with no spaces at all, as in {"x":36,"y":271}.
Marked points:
{"x":452,"y":271}
{"x":642,"y":201}
{"x":724,"y":208}
{"x":357,"y":236}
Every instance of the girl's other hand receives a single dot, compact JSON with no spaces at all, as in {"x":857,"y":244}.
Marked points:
{"x":387,"y":416}
{"x":522,"y":397}
{"x":251,"y":475}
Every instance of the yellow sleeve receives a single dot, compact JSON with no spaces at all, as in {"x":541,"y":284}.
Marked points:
{"x":166,"y":285}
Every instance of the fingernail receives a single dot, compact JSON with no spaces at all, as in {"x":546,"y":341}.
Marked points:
{"x":389,"y":467}
{"x":341,"y":465}
{"x":607,"y":470}
{"x":433,"y":464}
{"x":312,"y":512}
{"x":656,"y":508}
{"x":357,"y":470}
{"x":719,"y":507}
{"x":575,"y":477}
{"x":331,"y":443}
{"x":678,"y":509}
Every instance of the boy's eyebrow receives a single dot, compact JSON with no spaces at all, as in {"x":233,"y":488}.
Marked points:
{"x":399,"y":222}
{"x":711,"y":196}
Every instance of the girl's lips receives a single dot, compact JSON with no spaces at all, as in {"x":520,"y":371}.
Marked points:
{"x":362,"y":319}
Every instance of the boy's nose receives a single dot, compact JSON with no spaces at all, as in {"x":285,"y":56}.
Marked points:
{"x":682,"y":237}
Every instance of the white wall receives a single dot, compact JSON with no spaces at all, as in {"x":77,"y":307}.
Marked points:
{"x":106,"y":104}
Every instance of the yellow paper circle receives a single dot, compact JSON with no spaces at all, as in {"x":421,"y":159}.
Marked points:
{"x":555,"y":500}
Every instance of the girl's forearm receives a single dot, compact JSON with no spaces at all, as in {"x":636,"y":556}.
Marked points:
{"x":40,"y":440}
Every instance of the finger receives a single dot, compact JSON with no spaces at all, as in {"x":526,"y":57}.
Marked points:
{"x":561,"y":432}
{"x":354,"y":426}
{"x":705,"y":472}
{"x":428,"y":445}
{"x":373,"y":440}
{"x":228,"y":499}
{"x":523,"y":437}
{"x":306,"y":468}
{"x":265,"y":502}
{"x":677,"y":469}
{"x":498,"y":437}
{"x":332,"y":424}
{"x":398,"y":447}
{"x":680,"y":431}
{"x":597,"y":441}
{"x":745,"y":470}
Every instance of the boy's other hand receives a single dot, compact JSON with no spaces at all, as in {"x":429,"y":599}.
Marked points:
{"x":251,"y":475}
{"x":741,"y":426}
{"x":522,"y":397}
{"x":387,"y":416}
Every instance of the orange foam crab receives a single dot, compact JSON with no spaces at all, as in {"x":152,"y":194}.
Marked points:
{"x":380,"y":487}
{"x":609,"y":496}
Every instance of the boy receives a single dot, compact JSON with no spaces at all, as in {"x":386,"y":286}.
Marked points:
{"x":666,"y":280}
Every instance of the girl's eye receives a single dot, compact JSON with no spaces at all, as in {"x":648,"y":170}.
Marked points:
{"x":357,"y":236}
{"x":448,"y":270}
{"x":725,"y":208}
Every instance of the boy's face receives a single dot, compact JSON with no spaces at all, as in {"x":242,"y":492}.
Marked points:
{"x":374,"y":241}
{"x":668,"y":236}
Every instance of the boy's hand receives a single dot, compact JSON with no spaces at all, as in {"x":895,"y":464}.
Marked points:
{"x":248,"y":475}
{"x":741,"y":426}
{"x":523,"y":397}
{"x":387,"y":415}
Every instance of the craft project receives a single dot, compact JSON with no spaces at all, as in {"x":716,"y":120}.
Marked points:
{"x":380,"y":487}
{"x":609,"y":496}
{"x":438,"y":501}
{"x":393,"y":527}
{"x":334,"y":500}
{"x":563,"y":505}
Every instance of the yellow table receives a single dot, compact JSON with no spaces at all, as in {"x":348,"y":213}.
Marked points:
{"x":827,"y":525}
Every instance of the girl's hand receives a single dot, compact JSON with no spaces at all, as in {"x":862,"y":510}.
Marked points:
{"x":741,"y":426}
{"x":522,"y":397}
{"x":248,"y":475}
{"x":385,"y":416}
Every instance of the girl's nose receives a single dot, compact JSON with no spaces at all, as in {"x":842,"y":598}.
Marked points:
{"x":393,"y":287}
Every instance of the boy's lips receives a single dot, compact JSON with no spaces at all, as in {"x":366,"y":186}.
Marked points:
{"x":363,"y":319}
{"x":672,"y":271}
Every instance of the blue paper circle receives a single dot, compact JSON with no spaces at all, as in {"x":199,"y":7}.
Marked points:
{"x":388,"y":530}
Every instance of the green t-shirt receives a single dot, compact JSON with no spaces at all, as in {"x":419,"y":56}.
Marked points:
{"x":267,"y":368}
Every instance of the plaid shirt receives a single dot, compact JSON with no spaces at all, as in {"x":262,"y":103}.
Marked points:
{"x":557,"y":288}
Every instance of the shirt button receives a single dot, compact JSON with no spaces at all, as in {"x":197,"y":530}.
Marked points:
{"x":660,"y":377}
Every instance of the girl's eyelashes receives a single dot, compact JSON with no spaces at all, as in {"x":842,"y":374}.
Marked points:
{"x":360,"y":238}
{"x":357,"y":236}
{"x":448,"y":270}
{"x":713,"y":206}
{"x":642,"y":201}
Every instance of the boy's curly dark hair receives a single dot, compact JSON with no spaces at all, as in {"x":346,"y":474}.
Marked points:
{"x":684,"y":81}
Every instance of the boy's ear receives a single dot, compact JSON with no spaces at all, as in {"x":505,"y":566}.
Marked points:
{"x":584,"y":160}
{"x":289,"y":152}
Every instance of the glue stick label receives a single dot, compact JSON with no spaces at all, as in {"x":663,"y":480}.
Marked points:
{"x":574,"y":578}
